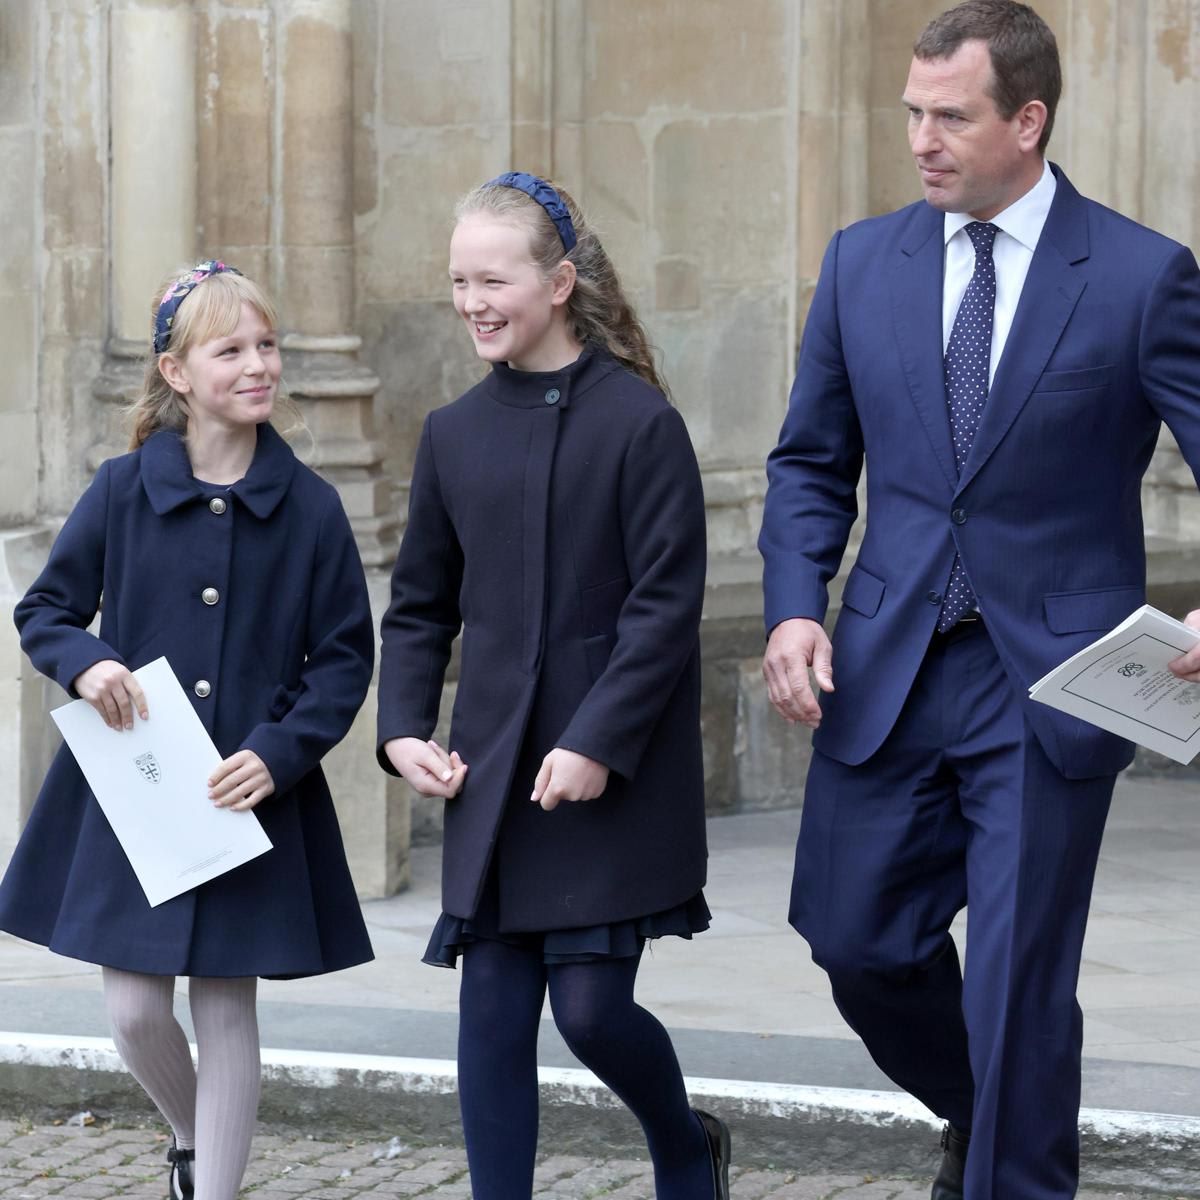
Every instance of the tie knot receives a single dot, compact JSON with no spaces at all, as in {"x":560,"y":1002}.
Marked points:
{"x":982,"y":235}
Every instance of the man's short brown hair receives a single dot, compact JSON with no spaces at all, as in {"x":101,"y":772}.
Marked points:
{"x":1021,"y":45}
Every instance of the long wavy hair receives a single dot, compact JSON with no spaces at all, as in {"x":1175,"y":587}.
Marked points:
{"x":211,"y":310}
{"x":598,"y":312}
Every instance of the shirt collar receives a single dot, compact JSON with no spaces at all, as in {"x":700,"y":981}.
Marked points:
{"x":169,"y":482}
{"x":1022,"y":220}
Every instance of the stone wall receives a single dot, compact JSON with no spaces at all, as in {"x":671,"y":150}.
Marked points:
{"x":320,"y":144}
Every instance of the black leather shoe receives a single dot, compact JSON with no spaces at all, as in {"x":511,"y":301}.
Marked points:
{"x":949,"y":1182}
{"x":717,"y":1133}
{"x":181,"y":1182}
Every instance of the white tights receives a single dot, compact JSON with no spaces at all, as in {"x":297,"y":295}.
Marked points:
{"x":211,"y":1108}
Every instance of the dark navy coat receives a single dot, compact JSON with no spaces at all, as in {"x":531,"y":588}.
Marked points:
{"x":559,"y":519}
{"x":279,"y":665}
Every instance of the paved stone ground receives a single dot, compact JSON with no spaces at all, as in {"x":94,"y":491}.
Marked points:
{"x":99,"y":1161}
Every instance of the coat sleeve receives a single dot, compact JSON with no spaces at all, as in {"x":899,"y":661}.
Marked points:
{"x":54,"y":614}
{"x":662,"y":521}
{"x":339,"y":656}
{"x":423,"y":618}
{"x":812,"y":474}
{"x":1169,"y":351}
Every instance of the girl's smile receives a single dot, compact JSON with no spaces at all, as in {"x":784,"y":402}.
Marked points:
{"x":229,"y":383}
{"x":514,"y":314}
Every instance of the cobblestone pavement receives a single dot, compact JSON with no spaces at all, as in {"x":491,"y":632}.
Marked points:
{"x":99,"y":1161}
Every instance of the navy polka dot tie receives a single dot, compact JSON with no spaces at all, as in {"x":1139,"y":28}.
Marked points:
{"x":968,"y":357}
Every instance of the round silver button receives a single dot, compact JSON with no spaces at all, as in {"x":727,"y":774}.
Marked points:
{"x":202,"y":688}
{"x":210,"y":595}
{"x":217,"y":505}
{"x":553,"y":395}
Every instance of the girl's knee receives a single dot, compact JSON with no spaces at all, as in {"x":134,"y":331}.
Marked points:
{"x":143,"y":1023}
{"x":583,"y":1023}
{"x":140,"y":1007}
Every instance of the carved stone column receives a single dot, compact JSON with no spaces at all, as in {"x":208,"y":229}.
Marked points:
{"x":152,"y":106}
{"x":314,"y":269}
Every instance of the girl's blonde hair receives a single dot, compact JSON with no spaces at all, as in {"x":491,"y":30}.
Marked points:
{"x":211,"y":310}
{"x":598,"y":312}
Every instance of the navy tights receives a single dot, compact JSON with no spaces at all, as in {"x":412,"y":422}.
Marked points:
{"x":500,"y":1004}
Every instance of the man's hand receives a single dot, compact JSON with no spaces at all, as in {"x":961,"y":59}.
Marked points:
{"x":427,"y":766}
{"x":566,"y":775}
{"x":1187,"y":666}
{"x":793,"y":648}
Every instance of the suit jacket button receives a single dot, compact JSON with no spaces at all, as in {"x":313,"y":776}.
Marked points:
{"x":202,"y":688}
{"x":959,"y":516}
{"x":210,"y":595}
{"x":553,"y":395}
{"x":934,"y":598}
{"x":217,"y":505}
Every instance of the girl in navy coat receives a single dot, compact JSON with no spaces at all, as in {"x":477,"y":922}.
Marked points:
{"x":556,"y":517}
{"x":212,"y":545}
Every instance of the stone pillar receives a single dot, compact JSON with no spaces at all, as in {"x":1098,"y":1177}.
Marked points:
{"x":21,"y":217}
{"x":53,"y":150}
{"x":315,"y":283}
{"x":153,"y":107}
{"x":153,"y":187}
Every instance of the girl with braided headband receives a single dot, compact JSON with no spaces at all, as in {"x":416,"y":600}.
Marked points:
{"x":556,"y":517}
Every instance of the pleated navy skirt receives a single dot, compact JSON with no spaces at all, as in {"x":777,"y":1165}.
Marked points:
{"x":590,"y":943}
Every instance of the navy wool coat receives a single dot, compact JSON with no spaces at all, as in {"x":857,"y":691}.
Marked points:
{"x":279,"y":664}
{"x":558,"y":518}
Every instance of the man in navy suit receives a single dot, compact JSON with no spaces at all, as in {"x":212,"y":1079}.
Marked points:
{"x":1002,"y":355}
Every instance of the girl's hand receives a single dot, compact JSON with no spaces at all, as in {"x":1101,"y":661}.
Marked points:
{"x":240,"y":782}
{"x":112,"y":691}
{"x":427,"y":766}
{"x":566,"y":775}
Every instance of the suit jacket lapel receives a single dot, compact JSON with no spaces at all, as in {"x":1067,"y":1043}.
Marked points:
{"x":916,"y":294}
{"x":1052,"y":289}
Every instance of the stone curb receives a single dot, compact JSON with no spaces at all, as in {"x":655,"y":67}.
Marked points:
{"x":773,"y":1124}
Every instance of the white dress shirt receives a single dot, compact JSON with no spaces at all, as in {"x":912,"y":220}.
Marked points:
{"x":1020,"y":226}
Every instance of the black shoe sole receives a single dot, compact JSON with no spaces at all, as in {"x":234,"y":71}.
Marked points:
{"x":717,"y":1133}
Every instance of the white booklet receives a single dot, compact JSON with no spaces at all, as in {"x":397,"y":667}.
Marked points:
{"x":152,"y":784}
{"x":1121,"y":683}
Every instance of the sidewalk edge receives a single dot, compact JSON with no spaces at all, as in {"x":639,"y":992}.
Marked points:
{"x":772,"y":1122}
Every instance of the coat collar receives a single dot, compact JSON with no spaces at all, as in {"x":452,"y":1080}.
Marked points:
{"x":549,"y":389}
{"x":169,"y":482}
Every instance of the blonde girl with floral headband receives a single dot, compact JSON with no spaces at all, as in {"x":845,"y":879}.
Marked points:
{"x":209,"y":543}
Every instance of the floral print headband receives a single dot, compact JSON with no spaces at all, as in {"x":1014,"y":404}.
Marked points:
{"x":179,"y":291}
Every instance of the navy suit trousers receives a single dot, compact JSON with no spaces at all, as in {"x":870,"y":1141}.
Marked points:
{"x":960,"y":806}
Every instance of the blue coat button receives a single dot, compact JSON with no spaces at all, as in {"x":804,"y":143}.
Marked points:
{"x":934,"y":597}
{"x":959,"y":516}
{"x":553,"y":395}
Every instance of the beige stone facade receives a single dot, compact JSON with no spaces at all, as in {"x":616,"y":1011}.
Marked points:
{"x":320,"y":145}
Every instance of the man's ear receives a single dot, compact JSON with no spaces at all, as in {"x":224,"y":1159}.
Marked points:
{"x":1031,"y":120}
